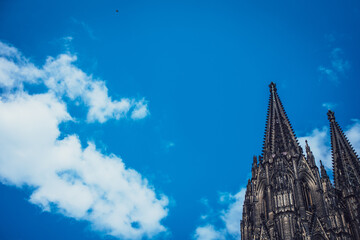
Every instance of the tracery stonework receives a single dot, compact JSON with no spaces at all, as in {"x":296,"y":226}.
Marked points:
{"x":287,"y":198}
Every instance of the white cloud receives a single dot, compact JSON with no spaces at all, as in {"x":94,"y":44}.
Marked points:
{"x":62,"y":77}
{"x":339,"y":66}
{"x":329,"y":105}
{"x":338,"y":62}
{"x":230,"y":218}
{"x":319,"y":142}
{"x":233,"y":214}
{"x":353,"y":134}
{"x":328,"y":73}
{"x":66,"y":177}
{"x":208,"y":232}
{"x":8,"y":51}
{"x":15,"y":69}
{"x":140,"y":111}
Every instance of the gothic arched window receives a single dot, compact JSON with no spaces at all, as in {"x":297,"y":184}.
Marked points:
{"x":306,"y":194}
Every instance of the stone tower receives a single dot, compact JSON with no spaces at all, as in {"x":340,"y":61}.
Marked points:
{"x":288,"y":199}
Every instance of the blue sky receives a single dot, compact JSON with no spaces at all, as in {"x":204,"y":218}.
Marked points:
{"x":142,"y":123}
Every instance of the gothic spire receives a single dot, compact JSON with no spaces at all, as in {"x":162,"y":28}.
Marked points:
{"x":279,"y":135}
{"x":346,"y":165}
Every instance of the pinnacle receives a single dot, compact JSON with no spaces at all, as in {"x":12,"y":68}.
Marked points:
{"x":331,"y":115}
{"x":255,"y":161}
{"x":307,"y":145}
{"x":272,"y":87}
{"x":323,"y":171}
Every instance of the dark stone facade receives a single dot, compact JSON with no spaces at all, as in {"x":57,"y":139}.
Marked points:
{"x":288,"y":198}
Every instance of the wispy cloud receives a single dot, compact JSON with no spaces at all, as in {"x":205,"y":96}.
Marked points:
{"x":338,"y":62}
{"x":77,"y":181}
{"x":338,"y":66}
{"x":86,"y":27}
{"x":170,"y":144}
{"x":67,"y":42}
{"x":329,"y":105}
{"x":229,"y":216}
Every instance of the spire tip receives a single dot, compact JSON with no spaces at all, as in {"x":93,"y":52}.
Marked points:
{"x":307,"y":145}
{"x":331,"y":115}
{"x":272,"y":86}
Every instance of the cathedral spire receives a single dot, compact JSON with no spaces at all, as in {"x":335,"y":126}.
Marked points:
{"x":346,"y":165}
{"x":279,"y":135}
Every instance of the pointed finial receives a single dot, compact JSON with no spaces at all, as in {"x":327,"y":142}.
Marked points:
{"x":323,"y":171}
{"x":248,"y":187}
{"x":309,"y":155}
{"x":331,"y":115}
{"x":272,"y":87}
{"x":254,"y":161}
{"x":260,"y":159}
{"x":307,"y":146}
